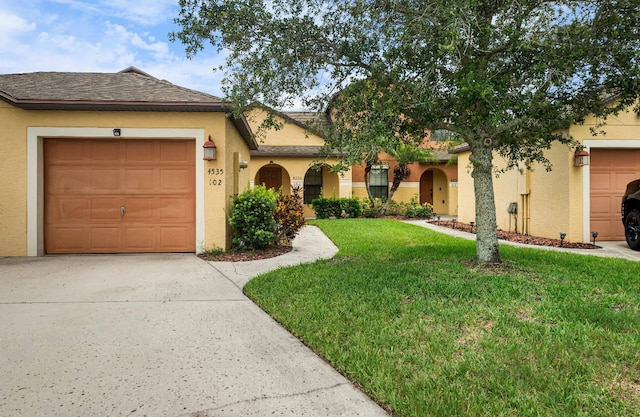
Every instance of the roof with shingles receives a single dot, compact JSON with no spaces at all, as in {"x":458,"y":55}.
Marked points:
{"x":128,"y":86}
{"x":288,"y":151}
{"x":128,"y":90}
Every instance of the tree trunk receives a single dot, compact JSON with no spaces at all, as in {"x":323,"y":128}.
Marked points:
{"x":367,"y":182}
{"x":399,"y":174}
{"x":486,"y":226}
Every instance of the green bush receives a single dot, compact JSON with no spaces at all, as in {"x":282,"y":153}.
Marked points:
{"x":415,"y":209}
{"x":322,"y":207}
{"x":370,"y":210}
{"x":326,"y":208}
{"x":351,"y":207}
{"x":252,"y":218}
{"x":289,"y":214}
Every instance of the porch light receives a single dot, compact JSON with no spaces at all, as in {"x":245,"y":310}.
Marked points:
{"x":209,"y":150}
{"x":117,"y":132}
{"x":580,"y":158}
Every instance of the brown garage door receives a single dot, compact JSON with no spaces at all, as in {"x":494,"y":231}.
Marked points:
{"x":611,"y":170}
{"x":110,"y":196}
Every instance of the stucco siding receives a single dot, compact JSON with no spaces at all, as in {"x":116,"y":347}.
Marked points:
{"x":13,"y":182}
{"x":19,"y":153}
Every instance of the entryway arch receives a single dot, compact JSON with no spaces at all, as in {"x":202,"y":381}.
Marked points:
{"x":275,"y":177}
{"x":434,"y":189}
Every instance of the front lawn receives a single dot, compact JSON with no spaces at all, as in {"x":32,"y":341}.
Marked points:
{"x":404,"y":312}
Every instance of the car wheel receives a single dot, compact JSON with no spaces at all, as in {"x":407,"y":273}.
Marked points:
{"x":632,"y":229}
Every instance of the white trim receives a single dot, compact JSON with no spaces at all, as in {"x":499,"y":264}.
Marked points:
{"x":35,"y":171}
{"x":586,"y":177}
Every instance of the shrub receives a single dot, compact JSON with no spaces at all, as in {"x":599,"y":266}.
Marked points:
{"x":252,"y":218}
{"x":370,"y":210}
{"x":336,"y":207}
{"x":415,"y":209}
{"x":351,"y":207}
{"x":289,"y":214}
{"x":322,"y":207}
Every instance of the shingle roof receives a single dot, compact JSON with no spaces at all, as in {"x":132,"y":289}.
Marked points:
{"x":129,"y":86}
{"x":127,"y":90}
{"x":288,"y":151}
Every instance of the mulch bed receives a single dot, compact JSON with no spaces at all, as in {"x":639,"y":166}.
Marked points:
{"x":242,"y":256}
{"x":518,"y":237}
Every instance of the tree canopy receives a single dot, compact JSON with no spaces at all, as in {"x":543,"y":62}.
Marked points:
{"x":505,"y":76}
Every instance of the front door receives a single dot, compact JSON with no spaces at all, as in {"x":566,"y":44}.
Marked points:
{"x":426,"y":187}
{"x":271,"y":177}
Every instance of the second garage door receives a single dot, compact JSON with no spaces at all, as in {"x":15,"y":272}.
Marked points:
{"x":111,"y":196}
{"x":611,"y":170}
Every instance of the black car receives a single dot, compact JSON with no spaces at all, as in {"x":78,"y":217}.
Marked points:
{"x":631,"y":214}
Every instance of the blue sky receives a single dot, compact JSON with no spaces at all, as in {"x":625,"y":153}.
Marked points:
{"x":101,"y":36}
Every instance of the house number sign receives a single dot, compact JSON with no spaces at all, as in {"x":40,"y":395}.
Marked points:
{"x":214,"y":176}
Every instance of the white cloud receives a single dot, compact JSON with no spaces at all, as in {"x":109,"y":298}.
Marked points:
{"x":12,"y":25}
{"x":101,"y":36}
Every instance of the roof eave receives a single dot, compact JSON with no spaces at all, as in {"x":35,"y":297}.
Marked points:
{"x":239,"y":122}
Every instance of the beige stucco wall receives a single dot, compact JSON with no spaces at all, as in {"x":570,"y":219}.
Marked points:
{"x":293,"y":168}
{"x":21,"y":161}
{"x":555,"y":201}
{"x":289,"y":134}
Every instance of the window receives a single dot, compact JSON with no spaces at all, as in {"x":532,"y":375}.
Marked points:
{"x":312,"y":185}
{"x":379,"y":181}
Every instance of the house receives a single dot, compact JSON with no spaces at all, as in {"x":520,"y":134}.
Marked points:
{"x":434,"y":182}
{"x":113,"y":162}
{"x":576,"y":197}
{"x":290,"y":157}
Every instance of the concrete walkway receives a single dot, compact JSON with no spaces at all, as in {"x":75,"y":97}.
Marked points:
{"x":609,"y":249}
{"x":158,"y":335}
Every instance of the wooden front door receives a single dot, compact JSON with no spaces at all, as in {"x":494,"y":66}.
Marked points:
{"x":426,"y":187}
{"x":111,"y":196}
{"x":271,"y":177}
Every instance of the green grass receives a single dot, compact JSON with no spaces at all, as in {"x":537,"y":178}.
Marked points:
{"x":405,"y":313}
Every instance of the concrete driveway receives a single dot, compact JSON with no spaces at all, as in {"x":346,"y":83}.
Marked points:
{"x":152,"y":335}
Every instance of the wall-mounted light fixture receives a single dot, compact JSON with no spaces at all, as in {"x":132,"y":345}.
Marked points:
{"x":117,"y":132}
{"x":243,"y":164}
{"x":580,"y":158}
{"x":209,"y":149}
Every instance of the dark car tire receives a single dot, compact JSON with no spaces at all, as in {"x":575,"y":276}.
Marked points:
{"x":632,"y":229}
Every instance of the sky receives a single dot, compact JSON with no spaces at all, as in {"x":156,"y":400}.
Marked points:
{"x":101,"y":36}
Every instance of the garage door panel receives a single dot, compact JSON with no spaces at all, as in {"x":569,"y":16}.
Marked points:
{"x":105,"y":238}
{"x":68,"y":208}
{"x":105,"y":209}
{"x":104,"y":151}
{"x":68,"y":239}
{"x":140,"y":209}
{"x":84,"y":194}
{"x":601,"y":181}
{"x":63,"y":179}
{"x":141,"y":152}
{"x":176,"y":209}
{"x":175,"y":152}
{"x":170,"y":237}
{"x":141,"y":238}
{"x":176,"y":180}
{"x":104,"y":180}
{"x":140,"y":179}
